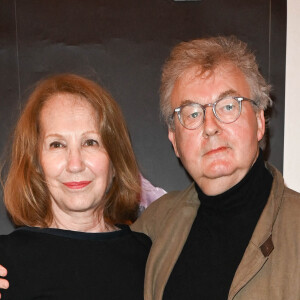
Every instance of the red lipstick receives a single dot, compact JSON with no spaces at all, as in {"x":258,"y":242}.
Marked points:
{"x":76,"y":184}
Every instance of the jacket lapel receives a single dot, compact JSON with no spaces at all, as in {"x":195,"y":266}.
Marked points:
{"x":261,"y":244}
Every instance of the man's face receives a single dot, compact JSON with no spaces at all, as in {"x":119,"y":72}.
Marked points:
{"x":216,"y":155}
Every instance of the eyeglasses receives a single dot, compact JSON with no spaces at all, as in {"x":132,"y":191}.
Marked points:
{"x":226,"y":110}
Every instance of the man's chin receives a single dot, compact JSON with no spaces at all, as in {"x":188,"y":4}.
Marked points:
{"x":217,"y":180}
{"x":219,"y":170}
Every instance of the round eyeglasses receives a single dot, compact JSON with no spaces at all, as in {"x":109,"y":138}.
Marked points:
{"x":227,"y":110}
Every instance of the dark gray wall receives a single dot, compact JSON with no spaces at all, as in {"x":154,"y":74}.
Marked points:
{"x":122,"y":45}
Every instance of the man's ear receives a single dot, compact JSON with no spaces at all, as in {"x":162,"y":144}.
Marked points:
{"x":261,"y":123}
{"x":172,"y":138}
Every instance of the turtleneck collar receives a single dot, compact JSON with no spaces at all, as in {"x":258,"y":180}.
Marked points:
{"x":245,"y":195}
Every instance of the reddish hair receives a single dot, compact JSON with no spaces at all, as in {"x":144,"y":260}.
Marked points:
{"x":26,"y":195}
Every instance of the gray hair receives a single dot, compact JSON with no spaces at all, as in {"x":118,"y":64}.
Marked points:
{"x":208,"y":54}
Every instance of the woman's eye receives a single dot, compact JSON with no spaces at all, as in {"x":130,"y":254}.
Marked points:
{"x":91,"y":143}
{"x":56,"y":145}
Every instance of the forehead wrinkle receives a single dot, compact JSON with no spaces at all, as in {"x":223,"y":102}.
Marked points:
{"x":61,"y":135}
{"x":222,"y":95}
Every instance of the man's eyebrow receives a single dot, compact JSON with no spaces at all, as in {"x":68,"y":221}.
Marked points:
{"x":186,"y":102}
{"x":227,"y":93}
{"x":223,"y":95}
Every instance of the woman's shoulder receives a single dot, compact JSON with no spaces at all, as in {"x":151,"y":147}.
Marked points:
{"x":140,"y":238}
{"x":15,"y":236}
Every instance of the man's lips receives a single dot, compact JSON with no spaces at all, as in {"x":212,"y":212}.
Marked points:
{"x":76,"y":184}
{"x":216,"y":150}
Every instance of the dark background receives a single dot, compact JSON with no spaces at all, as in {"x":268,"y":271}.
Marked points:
{"x":122,"y":45}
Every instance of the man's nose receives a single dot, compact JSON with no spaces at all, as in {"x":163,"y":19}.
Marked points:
{"x":211,"y":125}
{"x":75,"y":161}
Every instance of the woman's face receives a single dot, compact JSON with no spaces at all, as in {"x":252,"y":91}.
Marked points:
{"x":76,"y":166}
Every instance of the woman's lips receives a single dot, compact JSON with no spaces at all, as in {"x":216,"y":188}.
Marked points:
{"x":77,"y":184}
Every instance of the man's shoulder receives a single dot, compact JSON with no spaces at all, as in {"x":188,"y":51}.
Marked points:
{"x":167,"y":200}
{"x":160,"y":210}
{"x":292,"y":195}
{"x":287,"y":201}
{"x":291,"y":204}
{"x":173,"y":199}
{"x":291,"y":198}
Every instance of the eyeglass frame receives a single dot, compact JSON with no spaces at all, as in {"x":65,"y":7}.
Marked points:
{"x":213,"y":105}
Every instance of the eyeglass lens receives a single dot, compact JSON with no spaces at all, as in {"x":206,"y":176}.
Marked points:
{"x":227,"y":110}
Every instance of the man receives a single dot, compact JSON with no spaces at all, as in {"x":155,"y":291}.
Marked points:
{"x":235,"y":232}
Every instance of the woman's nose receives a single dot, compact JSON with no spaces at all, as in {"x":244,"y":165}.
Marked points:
{"x":75,"y":162}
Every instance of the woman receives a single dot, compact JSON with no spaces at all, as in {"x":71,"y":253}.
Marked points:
{"x":73,"y":178}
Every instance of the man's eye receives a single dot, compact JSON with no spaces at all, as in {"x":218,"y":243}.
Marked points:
{"x":194,"y":115}
{"x":91,"y":143}
{"x":228,"y":107}
{"x":56,"y":145}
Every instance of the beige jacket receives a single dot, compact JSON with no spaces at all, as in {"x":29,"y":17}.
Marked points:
{"x":270,"y":268}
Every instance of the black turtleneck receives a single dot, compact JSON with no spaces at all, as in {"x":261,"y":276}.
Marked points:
{"x":218,"y":238}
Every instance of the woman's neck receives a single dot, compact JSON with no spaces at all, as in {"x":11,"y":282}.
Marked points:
{"x":80,"y":221}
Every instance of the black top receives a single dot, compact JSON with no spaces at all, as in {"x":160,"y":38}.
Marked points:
{"x":218,"y":238}
{"x":61,"y":264}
